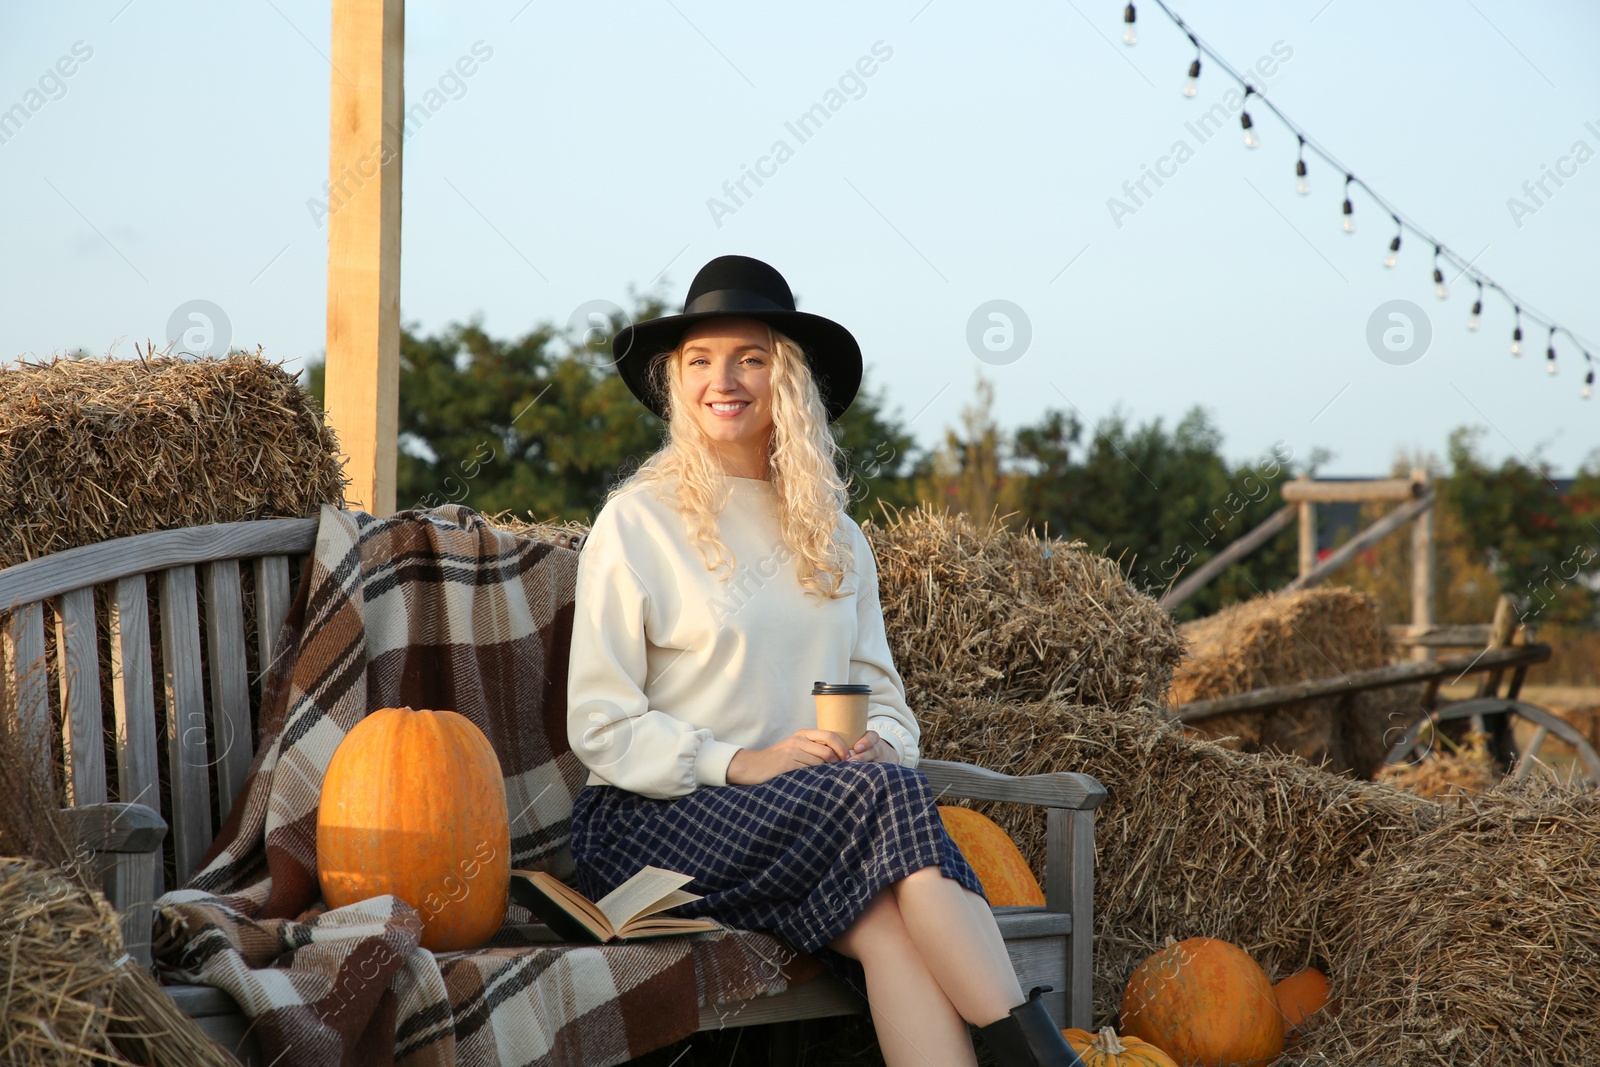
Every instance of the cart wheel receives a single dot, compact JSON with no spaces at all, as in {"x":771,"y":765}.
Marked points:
{"x":1543,"y":721}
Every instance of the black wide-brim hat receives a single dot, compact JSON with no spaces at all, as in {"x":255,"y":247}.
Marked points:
{"x":741,"y":287}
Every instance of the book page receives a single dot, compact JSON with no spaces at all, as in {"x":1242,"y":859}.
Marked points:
{"x":578,"y":906}
{"x":643,"y":892}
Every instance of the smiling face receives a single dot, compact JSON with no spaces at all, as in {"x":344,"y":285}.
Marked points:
{"x":726,"y":367}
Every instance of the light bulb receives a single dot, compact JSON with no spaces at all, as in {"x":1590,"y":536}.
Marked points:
{"x":1129,"y":37}
{"x":1394,"y":252}
{"x":1516,"y":341}
{"x":1192,"y":86}
{"x":1440,"y":290}
{"x":1300,"y":185}
{"x":1349,"y":225}
{"x":1349,"y":216}
{"x":1250,"y":138}
{"x":1472,"y":319}
{"x":1588,"y":381}
{"x":1550,"y":361}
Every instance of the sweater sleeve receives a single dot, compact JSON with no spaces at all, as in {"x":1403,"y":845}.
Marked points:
{"x":872,"y":662}
{"x":610,"y":725}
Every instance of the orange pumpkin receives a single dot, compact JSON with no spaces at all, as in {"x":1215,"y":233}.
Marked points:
{"x":1106,"y":1049}
{"x":994,"y":857}
{"x":413,"y":804}
{"x":1300,"y":996}
{"x":1206,"y":1003}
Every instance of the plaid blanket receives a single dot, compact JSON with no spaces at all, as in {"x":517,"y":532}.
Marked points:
{"x":432,"y":610}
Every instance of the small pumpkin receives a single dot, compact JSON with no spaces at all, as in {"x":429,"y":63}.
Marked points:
{"x":414,"y":804}
{"x":1106,"y":1049}
{"x":1205,"y":1003}
{"x":994,"y":857}
{"x":1300,"y":996}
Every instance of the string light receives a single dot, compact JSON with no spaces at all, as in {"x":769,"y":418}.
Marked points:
{"x":1394,"y":247}
{"x":1402,"y":223}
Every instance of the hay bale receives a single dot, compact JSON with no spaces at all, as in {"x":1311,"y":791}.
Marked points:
{"x":1478,"y":944}
{"x":1283,"y":638}
{"x":983,"y":611}
{"x":1197,"y":840}
{"x":96,"y":449}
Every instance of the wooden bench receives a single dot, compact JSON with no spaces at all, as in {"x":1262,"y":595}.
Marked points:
{"x":202,"y":740}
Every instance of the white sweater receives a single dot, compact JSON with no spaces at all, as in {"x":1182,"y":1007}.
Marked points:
{"x":672,"y":671}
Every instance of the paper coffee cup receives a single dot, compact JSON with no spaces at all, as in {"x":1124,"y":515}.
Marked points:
{"x":842,"y":708}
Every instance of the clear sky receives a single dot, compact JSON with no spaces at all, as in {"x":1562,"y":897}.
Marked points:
{"x":975,"y":162}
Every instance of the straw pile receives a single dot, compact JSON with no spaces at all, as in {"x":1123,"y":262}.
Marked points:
{"x":982,"y":611}
{"x":1279,"y":639}
{"x":96,"y":449}
{"x":1447,"y":770}
{"x":1477,"y":944}
{"x":1196,"y":839}
{"x":68,"y":994}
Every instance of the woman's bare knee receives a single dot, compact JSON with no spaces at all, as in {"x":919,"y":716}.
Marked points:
{"x":880,"y":914}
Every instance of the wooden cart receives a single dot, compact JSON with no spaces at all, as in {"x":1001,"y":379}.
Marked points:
{"x":1505,"y":657}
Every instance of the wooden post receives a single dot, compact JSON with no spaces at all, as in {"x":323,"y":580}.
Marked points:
{"x":1422,"y":569}
{"x":1308,"y":533}
{"x":365,"y":132}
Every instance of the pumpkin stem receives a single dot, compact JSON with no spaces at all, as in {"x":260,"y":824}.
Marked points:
{"x":1106,"y":1041}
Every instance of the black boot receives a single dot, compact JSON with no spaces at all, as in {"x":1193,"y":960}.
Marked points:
{"x":1028,"y":1037}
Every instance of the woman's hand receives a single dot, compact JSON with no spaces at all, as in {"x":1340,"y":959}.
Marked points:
{"x":803,"y":748}
{"x":873,"y":747}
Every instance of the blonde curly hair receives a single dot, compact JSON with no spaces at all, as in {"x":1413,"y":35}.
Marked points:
{"x":804,"y":460}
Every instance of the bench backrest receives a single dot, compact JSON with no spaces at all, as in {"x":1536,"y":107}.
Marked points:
{"x":76,"y":629}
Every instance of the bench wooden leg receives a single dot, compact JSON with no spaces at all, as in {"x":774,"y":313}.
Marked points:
{"x":783,"y":1042}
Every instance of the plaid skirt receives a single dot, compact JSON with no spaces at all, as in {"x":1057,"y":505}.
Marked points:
{"x":800,"y":855}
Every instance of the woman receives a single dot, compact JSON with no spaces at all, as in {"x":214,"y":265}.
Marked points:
{"x":717,"y":584}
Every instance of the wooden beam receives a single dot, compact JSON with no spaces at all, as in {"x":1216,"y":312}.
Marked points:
{"x":1377,"y":678}
{"x":1366,"y":538}
{"x":1332,"y":492}
{"x":365,"y":133}
{"x":1308,"y":537}
{"x":1460,"y":635}
{"x":1228,"y":556}
{"x":1422,"y":566}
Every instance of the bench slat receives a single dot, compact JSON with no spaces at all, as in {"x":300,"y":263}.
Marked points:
{"x":78,"y":656}
{"x":27,"y":684}
{"x":272,"y":607}
{"x":49,"y":576}
{"x":134,"y":881}
{"x":186,"y":719}
{"x":230,"y":687}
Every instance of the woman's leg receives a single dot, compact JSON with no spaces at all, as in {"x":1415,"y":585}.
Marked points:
{"x":960,"y":944}
{"x":915,"y":1022}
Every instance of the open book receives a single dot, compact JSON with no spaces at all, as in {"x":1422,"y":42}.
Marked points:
{"x":621,"y":915}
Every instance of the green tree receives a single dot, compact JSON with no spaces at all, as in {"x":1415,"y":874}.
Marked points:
{"x":1538,"y":543}
{"x":543,"y":424}
{"x":1160,"y":503}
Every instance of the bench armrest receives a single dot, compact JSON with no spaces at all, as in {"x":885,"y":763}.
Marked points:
{"x":1055,"y":789}
{"x":131,"y":828}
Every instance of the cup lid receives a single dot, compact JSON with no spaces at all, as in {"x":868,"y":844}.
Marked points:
{"x":819,"y":689}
